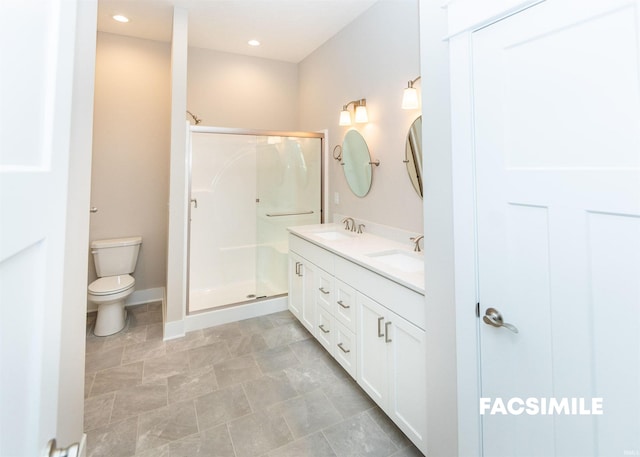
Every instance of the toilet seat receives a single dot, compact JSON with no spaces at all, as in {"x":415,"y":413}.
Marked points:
{"x":111,"y":285}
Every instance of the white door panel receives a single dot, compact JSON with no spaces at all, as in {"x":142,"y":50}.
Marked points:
{"x":557,"y":150}
{"x":36,"y":59}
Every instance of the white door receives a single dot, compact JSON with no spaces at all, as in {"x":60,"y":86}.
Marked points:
{"x":557,"y":151}
{"x":372,"y":372}
{"x":36,"y":64}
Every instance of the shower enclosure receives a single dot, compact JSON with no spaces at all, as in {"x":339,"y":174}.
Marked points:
{"x":246,"y":188}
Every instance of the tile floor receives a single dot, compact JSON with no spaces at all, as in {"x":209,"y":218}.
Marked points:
{"x":259,"y":387}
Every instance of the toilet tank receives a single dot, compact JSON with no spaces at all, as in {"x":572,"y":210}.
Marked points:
{"x":116,"y":256}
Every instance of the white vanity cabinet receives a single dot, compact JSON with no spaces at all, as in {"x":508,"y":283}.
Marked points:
{"x":372,"y":325}
{"x":391,"y":365}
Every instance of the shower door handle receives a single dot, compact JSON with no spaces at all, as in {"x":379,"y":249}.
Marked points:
{"x":195,"y":202}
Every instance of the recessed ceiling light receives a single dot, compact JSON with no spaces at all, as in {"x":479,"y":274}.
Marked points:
{"x":120,"y":18}
{"x":254,"y":43}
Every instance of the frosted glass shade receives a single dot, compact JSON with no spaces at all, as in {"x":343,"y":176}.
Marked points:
{"x":345,"y":117}
{"x":410,"y":98}
{"x":361,"y":114}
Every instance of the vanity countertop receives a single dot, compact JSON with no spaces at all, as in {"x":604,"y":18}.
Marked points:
{"x":391,"y":259}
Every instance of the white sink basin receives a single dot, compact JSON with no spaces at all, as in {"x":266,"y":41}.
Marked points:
{"x":401,"y":260}
{"x":333,"y":235}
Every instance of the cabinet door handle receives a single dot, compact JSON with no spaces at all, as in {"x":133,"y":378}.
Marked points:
{"x":321,"y":289}
{"x":297,"y":268}
{"x":380,"y":334}
{"x":340,"y":302}
{"x":346,"y":351}
{"x":386,"y":332}
{"x":321,"y":327}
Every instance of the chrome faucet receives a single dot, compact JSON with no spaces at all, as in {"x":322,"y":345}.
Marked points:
{"x":349,"y":224}
{"x":416,"y":240}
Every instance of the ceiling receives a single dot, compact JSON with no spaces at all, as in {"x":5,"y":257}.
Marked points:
{"x":289,"y":30}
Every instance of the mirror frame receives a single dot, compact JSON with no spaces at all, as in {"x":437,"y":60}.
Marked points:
{"x":413,"y":155}
{"x":356,"y":163}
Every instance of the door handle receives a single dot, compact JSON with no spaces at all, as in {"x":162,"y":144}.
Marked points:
{"x":386,"y":333}
{"x":380,"y":334}
{"x":195,"y":202}
{"x":493,"y":317}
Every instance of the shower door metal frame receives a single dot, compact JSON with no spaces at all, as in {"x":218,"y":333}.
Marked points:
{"x":248,"y":132}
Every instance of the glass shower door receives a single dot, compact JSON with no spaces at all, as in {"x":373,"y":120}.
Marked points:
{"x":288,"y":194}
{"x":245,"y":190}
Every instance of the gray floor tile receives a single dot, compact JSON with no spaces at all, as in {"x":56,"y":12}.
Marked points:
{"x":139,"y":399}
{"x":315,"y":445}
{"x":184,"y":386}
{"x":162,"y":426}
{"x":118,"y":439}
{"x":189,"y":341}
{"x":223,"y":332}
{"x":129,"y":335}
{"x":268,"y":390}
{"x":221,"y":406}
{"x":143,"y":350}
{"x":102,"y":360}
{"x":258,"y":433}
{"x":94,"y":344}
{"x":285,"y":334}
{"x":214,"y":442}
{"x":116,"y":378}
{"x":309,"y":376}
{"x":347,"y":397}
{"x":246,"y":344}
{"x":97,"y":411}
{"x":359,"y":436}
{"x":307,"y":350}
{"x":236,"y":370}
{"x":255,"y":324}
{"x":410,"y":451}
{"x":155,"y":331}
{"x":208,"y":356}
{"x":307,"y":414}
{"x":281,"y":318}
{"x":276,"y":359}
{"x":387,"y":426}
{"x":162,"y":451}
{"x":88,"y":382}
{"x":165,"y":366}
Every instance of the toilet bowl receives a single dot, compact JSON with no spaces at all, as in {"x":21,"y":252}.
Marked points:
{"x":110,"y":294}
{"x":114,"y":259}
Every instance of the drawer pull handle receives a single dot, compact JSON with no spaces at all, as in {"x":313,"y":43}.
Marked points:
{"x":380,"y":334}
{"x":343,"y":305}
{"x":321,"y":327}
{"x":323,"y":291}
{"x":346,"y":351}
{"x":386,"y":332}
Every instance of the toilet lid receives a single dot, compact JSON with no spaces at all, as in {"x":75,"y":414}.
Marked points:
{"x":111,"y":284}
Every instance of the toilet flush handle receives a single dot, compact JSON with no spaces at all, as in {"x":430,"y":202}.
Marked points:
{"x":93,"y":209}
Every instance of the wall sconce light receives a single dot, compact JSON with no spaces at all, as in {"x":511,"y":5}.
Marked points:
{"x":410,"y":96}
{"x":360,"y":112}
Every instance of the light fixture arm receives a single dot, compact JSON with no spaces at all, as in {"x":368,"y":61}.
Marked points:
{"x":360,"y":102}
{"x":413,"y":81}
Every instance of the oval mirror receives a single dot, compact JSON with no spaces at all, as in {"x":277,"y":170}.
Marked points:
{"x":413,"y":155}
{"x":356,"y":163}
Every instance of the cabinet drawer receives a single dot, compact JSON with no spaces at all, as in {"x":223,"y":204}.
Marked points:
{"x":324,"y":331}
{"x":312,"y":252}
{"x":345,"y":350}
{"x":324,"y":289}
{"x":344,"y":307}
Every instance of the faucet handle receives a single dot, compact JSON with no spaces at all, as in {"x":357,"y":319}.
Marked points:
{"x":416,"y":240}
{"x":360,"y":227}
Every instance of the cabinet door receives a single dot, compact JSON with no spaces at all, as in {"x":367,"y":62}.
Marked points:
{"x":344,"y":308}
{"x":308,"y":310}
{"x":407,"y":377}
{"x":372,"y":358}
{"x":296,"y":292}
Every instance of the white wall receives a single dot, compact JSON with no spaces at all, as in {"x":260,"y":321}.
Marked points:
{"x":229,"y":90}
{"x":74,"y":302}
{"x":130,"y":170}
{"x":438,"y":234}
{"x":372,"y":58}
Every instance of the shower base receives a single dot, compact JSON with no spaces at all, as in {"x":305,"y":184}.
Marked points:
{"x":238,"y":292}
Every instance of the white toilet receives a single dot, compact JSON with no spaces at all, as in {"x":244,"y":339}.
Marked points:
{"x":115,"y":259}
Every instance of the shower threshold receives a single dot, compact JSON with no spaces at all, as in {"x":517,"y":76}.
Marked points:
{"x":230,"y":295}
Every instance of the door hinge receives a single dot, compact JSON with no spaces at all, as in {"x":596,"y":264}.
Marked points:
{"x":478,"y":309}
